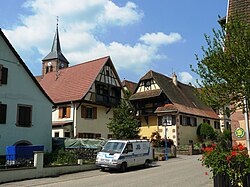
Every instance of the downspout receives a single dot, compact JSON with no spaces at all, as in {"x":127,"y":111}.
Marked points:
{"x":227,"y":11}
{"x":74,"y":120}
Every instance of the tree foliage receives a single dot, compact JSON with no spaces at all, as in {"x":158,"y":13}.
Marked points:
{"x":124,"y":125}
{"x":224,"y":68}
{"x":205,"y":131}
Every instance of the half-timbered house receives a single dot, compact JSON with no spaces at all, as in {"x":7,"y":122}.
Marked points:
{"x":160,"y":100}
{"x":85,"y":94}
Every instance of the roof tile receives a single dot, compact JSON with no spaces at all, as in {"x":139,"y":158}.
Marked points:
{"x":72,"y":83}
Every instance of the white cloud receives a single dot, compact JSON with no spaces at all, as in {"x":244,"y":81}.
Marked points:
{"x":79,"y":20}
{"x":160,"y":38}
{"x":186,"y":78}
{"x":121,"y":15}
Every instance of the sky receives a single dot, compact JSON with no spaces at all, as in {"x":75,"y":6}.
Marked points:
{"x":138,"y":35}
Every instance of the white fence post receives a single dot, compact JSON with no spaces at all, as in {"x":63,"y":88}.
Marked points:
{"x":38,"y":159}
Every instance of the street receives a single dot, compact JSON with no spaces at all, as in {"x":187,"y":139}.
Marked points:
{"x":183,"y":171}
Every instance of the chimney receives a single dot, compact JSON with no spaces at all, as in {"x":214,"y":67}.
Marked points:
{"x":174,"y":77}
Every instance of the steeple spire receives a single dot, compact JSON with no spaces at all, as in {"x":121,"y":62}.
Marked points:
{"x":56,"y":52}
{"x":55,"y":60}
{"x":56,"y":42}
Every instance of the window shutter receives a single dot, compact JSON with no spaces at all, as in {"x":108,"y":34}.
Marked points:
{"x":68,"y":112}
{"x":83,"y":111}
{"x":159,"y":120}
{"x":28,"y":115}
{"x":60,"y":112}
{"x":3,"y":112}
{"x":195,"y":122}
{"x":180,"y":119}
{"x":173,"y":120}
{"x":4,"y":75}
{"x":94,"y":113}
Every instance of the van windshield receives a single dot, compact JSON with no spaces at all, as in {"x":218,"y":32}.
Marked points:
{"x":113,"y":147}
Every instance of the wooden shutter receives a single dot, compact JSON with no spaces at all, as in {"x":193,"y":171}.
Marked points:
{"x":159,"y":120}
{"x":4,"y":75}
{"x":28,"y":116}
{"x":68,"y":112}
{"x":3,"y":112}
{"x":173,"y":120}
{"x":94,"y":113}
{"x":83,"y":112}
{"x":180,"y":119}
{"x":60,"y":112}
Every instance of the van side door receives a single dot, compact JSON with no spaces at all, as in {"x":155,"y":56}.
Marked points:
{"x":139,"y":154}
{"x":128,"y":155}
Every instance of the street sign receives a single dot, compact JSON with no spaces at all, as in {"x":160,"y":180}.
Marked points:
{"x":239,"y":132}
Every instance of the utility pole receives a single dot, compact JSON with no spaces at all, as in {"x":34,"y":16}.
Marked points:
{"x":246,"y":122}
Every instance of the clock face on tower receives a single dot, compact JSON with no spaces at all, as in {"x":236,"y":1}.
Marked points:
{"x":49,"y":64}
{"x":62,"y":65}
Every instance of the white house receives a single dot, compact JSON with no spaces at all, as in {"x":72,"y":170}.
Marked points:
{"x":25,"y":109}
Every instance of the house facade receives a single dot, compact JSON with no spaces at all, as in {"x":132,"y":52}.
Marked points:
{"x":160,"y":101}
{"x":84,"y":94}
{"x":241,"y":9}
{"x":25,"y":109}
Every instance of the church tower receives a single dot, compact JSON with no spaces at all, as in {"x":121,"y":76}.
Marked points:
{"x":55,"y":60}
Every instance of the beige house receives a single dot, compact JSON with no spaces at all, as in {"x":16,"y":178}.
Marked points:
{"x":160,"y":100}
{"x":25,"y":109}
{"x":84,"y":94}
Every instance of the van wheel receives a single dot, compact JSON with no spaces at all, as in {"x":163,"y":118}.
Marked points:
{"x":146,"y":164}
{"x":102,"y":169}
{"x":123,"y":167}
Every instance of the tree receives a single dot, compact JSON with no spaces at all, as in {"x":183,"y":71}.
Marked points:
{"x":224,"y":68}
{"x":205,"y":131}
{"x":123,"y":124}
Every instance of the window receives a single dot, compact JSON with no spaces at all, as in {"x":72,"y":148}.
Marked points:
{"x":3,"y":112}
{"x":193,"y":122}
{"x":67,"y":134}
{"x":217,"y":125}
{"x":3,"y":75}
{"x":167,"y":120}
{"x":206,"y":121}
{"x":88,"y":112}
{"x":56,"y":134}
{"x":24,"y":114}
{"x":147,"y":83}
{"x":64,"y":112}
{"x":109,"y":136}
{"x":185,"y":120}
{"x":129,"y":148}
{"x":228,"y":126}
{"x":102,"y":89}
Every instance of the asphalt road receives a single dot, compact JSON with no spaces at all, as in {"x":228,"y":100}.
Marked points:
{"x":183,"y":171}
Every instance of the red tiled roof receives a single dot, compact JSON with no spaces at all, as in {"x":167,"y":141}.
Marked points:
{"x":72,"y":83}
{"x":131,"y":86}
{"x":240,"y":8}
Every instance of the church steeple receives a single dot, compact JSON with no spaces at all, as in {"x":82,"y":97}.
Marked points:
{"x":55,"y":60}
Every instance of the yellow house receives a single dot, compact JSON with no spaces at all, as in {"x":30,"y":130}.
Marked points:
{"x":84,"y":94}
{"x":160,"y":101}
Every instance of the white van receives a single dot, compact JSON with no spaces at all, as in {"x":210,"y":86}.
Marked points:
{"x":120,"y":154}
